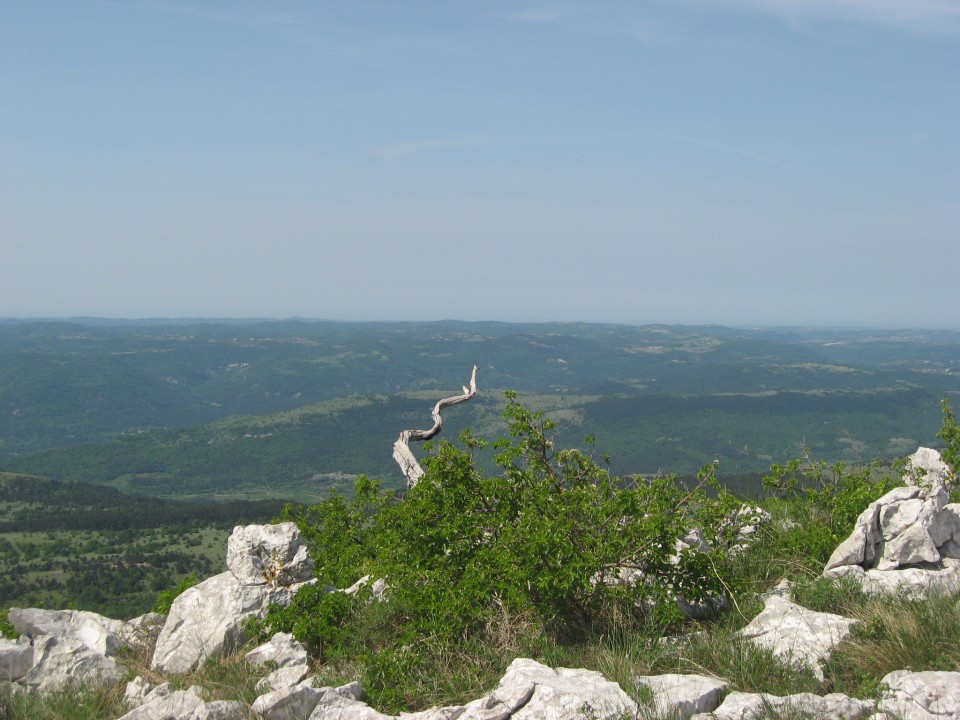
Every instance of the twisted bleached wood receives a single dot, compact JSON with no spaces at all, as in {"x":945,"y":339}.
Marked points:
{"x":401,"y":448}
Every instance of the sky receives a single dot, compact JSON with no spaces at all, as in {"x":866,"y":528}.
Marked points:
{"x":732,"y":162}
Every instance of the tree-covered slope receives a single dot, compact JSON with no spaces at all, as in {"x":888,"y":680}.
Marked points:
{"x":260,"y":409}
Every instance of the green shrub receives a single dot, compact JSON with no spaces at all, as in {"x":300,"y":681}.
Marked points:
{"x":950,"y":434}
{"x":6,"y":629}
{"x":541,"y":541}
{"x":166,"y":597}
{"x":318,"y":618}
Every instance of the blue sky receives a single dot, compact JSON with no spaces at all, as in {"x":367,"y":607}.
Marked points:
{"x":739,"y":162}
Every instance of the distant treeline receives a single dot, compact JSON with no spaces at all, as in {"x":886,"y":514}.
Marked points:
{"x":36,"y":504}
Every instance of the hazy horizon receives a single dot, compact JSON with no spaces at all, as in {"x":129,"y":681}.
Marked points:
{"x":728,"y":162}
{"x":227,"y":320}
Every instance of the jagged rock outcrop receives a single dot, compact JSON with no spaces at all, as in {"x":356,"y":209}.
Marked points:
{"x":58,"y":649}
{"x":297,"y":701}
{"x":908,"y":540}
{"x":929,"y":465}
{"x":908,"y":696}
{"x":267,"y":564}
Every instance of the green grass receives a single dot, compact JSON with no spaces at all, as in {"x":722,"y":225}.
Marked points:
{"x":79,"y":704}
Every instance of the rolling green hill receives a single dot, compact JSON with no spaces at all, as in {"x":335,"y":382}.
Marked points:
{"x":241,"y":410}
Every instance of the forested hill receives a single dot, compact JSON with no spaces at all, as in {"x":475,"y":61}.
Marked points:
{"x":29,"y":503}
{"x":287,"y":408}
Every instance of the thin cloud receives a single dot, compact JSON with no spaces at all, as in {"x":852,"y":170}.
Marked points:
{"x":415,"y":147}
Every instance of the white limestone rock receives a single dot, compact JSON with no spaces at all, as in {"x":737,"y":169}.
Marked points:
{"x":797,"y":636}
{"x":680,"y":696}
{"x":527,"y":691}
{"x":860,"y":547}
{"x":921,"y":695}
{"x":759,"y":706}
{"x":281,"y":650}
{"x":505,"y":700}
{"x":16,"y":658}
{"x":907,"y":539}
{"x":285,"y":677}
{"x":915,"y":583}
{"x":101,"y":634}
{"x":207,"y":620}
{"x":447,"y":713}
{"x":275,"y":555}
{"x":140,"y":691}
{"x":563,"y":693}
{"x":181,"y":705}
{"x":65,"y":662}
{"x":344,"y":704}
{"x":222,"y":710}
{"x":288,"y":703}
{"x":928,"y":463}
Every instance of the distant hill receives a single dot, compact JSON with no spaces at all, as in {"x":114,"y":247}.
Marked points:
{"x":291,"y":408}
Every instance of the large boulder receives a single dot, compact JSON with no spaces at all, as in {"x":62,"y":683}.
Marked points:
{"x":909,"y":539}
{"x":266,"y":564}
{"x":65,"y":662}
{"x":100,"y":634}
{"x":297,"y":701}
{"x":65,"y":648}
{"x":164,"y":704}
{"x":527,"y":691}
{"x":929,"y":466}
{"x":207,"y":620}
{"x":539,"y":692}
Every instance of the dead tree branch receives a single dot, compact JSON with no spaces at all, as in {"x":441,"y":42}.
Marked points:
{"x":401,"y":448}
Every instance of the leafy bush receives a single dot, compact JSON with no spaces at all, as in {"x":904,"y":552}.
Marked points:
{"x":166,"y":597}
{"x":317,"y":617}
{"x":552,"y":554}
{"x":549,"y":540}
{"x":950,"y":434}
{"x":7,"y":630}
